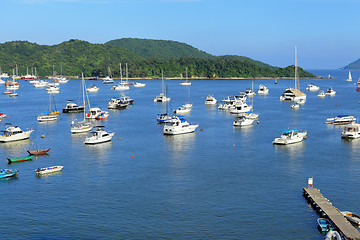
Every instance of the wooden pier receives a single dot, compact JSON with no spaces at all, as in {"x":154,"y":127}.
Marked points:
{"x":319,"y":202}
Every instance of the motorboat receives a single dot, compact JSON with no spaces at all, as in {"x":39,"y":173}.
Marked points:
{"x":126,"y":99}
{"x":249,"y":92}
{"x":179,"y":125}
{"x":107,"y":80}
{"x":263,"y":90}
{"x":312,"y":88}
{"x":116,"y":103}
{"x":46,"y":170}
{"x":38,"y":152}
{"x":241,"y":107}
{"x":182,"y":110}
{"x":13,"y":94}
{"x":162,"y":98}
{"x":242,"y":121}
{"x":352,"y":217}
{"x":187,"y":105}
{"x":351,"y":131}
{"x":41,"y":83}
{"x":14,"y":133}
{"x":120,"y":87}
{"x":341,"y":120}
{"x":72,"y":107}
{"x":21,"y":159}
{"x":97,"y":113}
{"x":330,"y":92}
{"x":333,"y":235}
{"x":62,"y":80}
{"x":34,"y":81}
{"x":138,"y":84}
{"x":324,"y":225}
{"x":2,"y":115}
{"x":295,"y":106}
{"x":290,"y":136}
{"x":92,"y":88}
{"x":321,"y":93}
{"x":210,"y":100}
{"x":251,"y":115}
{"x":99,"y":136}
{"x":53,"y":89}
{"x":163,"y":118}
{"x":7,"y":173}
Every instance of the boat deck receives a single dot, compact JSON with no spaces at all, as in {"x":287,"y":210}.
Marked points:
{"x":314,"y":196}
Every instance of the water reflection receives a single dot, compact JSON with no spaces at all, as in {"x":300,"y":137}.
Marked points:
{"x":16,"y":147}
{"x":293,"y":151}
{"x":181,"y":142}
{"x":99,"y":151}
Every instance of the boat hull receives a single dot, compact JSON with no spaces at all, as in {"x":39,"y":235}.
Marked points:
{"x":73,"y":110}
{"x":171,"y":130}
{"x":94,"y":140}
{"x":14,"y":160}
{"x":7,"y":173}
{"x":38,"y":152}
{"x":16,"y":137}
{"x":53,"y":169}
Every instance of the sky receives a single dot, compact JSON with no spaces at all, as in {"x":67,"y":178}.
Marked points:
{"x":326,"y":32}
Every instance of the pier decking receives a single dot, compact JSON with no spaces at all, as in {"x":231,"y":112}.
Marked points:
{"x":314,"y":196}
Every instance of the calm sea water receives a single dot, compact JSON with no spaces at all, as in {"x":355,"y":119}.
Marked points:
{"x":219,"y":183}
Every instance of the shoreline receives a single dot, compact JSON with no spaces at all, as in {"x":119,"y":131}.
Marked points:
{"x":204,"y":78}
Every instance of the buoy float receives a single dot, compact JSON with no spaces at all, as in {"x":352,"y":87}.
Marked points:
{"x":119,"y":138}
{"x":258,"y":122}
{"x":310,"y":185}
{"x":201,"y":130}
{"x":233,"y":145}
{"x":132,"y":156}
{"x":42,"y":136}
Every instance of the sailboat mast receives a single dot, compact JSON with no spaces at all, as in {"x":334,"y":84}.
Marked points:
{"x":83,"y":92}
{"x":126,"y":73}
{"x":297,"y":84}
{"x":120,"y":73}
{"x":162,"y":81}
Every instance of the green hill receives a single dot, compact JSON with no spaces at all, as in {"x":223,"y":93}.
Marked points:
{"x":76,"y":57}
{"x":161,"y":49}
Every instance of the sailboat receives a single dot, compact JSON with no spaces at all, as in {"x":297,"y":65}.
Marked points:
{"x":188,"y":105}
{"x":108,"y":79}
{"x":186,"y":83}
{"x":122,"y":86}
{"x":164,"y":117}
{"x":162,"y":97}
{"x":82,"y":126}
{"x":294,"y":94}
{"x":349,"y":78}
{"x":48,"y":116}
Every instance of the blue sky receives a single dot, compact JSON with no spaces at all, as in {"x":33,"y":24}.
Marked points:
{"x":324,"y":31}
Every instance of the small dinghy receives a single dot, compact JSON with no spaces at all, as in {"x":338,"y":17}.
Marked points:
{"x":22,"y":159}
{"x":7,"y":173}
{"x":38,"y":152}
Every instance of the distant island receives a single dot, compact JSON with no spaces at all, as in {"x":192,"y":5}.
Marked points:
{"x":352,"y":66}
{"x":145,"y":58}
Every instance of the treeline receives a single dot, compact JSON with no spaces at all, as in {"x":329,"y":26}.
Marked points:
{"x":75,"y":57}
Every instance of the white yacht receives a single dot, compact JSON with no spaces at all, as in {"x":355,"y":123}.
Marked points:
{"x":249,"y":93}
{"x":351,"y":131}
{"x":312,"y":88}
{"x":163,"y":118}
{"x":162,"y":98}
{"x":187,"y":105}
{"x":41,"y":83}
{"x":120,"y":87}
{"x":62,"y":80}
{"x":290,"y":136}
{"x":14,"y":133}
{"x":99,"y":136}
{"x":263,"y":90}
{"x":179,"y":125}
{"x":117,"y":103}
{"x":330,"y":92}
{"x":97,"y":113}
{"x":92,"y":88}
{"x":46,"y":118}
{"x":341,"y":120}
{"x":241,"y":107}
{"x":321,"y":93}
{"x":182,"y":110}
{"x":53,"y":89}
{"x":210,"y":100}
{"x":138,"y":84}
{"x":242,"y":121}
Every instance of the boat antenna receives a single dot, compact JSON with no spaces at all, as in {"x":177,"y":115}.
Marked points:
{"x":120,"y":73}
